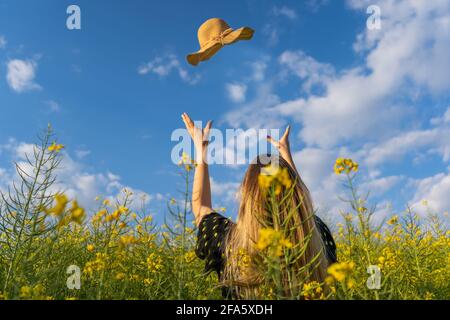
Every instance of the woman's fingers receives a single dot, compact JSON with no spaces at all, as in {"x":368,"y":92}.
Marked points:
{"x":283,"y":139}
{"x":195,"y":132}
{"x":286,"y":132}
{"x":273,"y":141}
{"x":187,"y":120}
{"x":188,"y":123}
{"x":183,"y":117}
{"x":207,"y":129}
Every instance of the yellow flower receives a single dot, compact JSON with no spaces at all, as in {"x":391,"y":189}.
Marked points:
{"x":189,"y":256}
{"x":392,"y":220}
{"x":76,"y":212}
{"x":266,"y":236}
{"x":148,"y":219}
{"x":341,"y":270}
{"x":329,"y":280}
{"x":312,"y":290}
{"x":116,"y":214}
{"x":347,"y":165}
{"x":350,"y":283}
{"x":98,"y":216}
{"x":60,"y":206}
{"x":123,"y":209}
{"x":184,"y":158}
{"x":120,"y":276}
{"x":55,"y":147}
{"x":154,"y":262}
{"x":127,"y":240}
{"x":276,"y":176}
{"x":25,"y":292}
{"x":90,"y":247}
{"x":428,"y":296}
{"x":243,"y":260}
{"x":186,"y":161}
{"x":272,"y":240}
{"x":122,"y":225}
{"x":362,"y":209}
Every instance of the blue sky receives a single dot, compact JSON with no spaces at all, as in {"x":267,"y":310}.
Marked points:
{"x":115,"y":89}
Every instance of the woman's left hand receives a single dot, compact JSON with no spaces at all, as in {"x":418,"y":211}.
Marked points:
{"x":282,"y":145}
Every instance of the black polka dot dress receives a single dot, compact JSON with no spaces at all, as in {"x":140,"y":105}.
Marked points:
{"x":212,"y":233}
{"x":211,"y":236}
{"x":327,"y":239}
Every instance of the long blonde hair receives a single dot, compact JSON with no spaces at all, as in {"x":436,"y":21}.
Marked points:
{"x":253,"y":216}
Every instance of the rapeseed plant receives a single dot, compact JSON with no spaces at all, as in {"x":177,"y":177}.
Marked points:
{"x":123,"y":254}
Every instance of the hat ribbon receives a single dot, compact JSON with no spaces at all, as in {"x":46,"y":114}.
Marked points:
{"x":220,"y":37}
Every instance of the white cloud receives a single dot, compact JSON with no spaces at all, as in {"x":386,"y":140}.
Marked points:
{"x":410,"y":52}
{"x":261,"y":106}
{"x":21,"y":150}
{"x":76,"y":68}
{"x":315,"y":5}
{"x":73,"y":178}
{"x":164,"y":65}
{"x":53,"y":105}
{"x":236,"y":92}
{"x":315,"y":167}
{"x":421,"y":142}
{"x":368,"y":111}
{"x":285,"y":11}
{"x":263,"y":100}
{"x":435,"y":191}
{"x":21,"y":74}
{"x":312,"y":72}
{"x":259,"y":69}
{"x":441,"y":120}
{"x":2,"y":42}
{"x":225,"y":193}
{"x":271,"y":34}
{"x":381,"y":186}
{"x":82,"y":153}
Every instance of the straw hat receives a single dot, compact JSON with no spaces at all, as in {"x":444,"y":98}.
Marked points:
{"x":213,"y":35}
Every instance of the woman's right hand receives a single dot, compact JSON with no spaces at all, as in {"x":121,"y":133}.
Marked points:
{"x":199,"y":136}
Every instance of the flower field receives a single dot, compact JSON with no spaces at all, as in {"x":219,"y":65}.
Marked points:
{"x":121,"y":253}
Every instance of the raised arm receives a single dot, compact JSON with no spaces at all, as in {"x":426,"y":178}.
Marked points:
{"x":201,"y":191}
{"x":284,"y":148}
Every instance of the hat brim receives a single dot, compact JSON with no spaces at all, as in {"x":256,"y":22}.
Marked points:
{"x":244,"y":33}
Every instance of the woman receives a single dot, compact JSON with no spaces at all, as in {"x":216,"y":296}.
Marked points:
{"x":219,"y":238}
